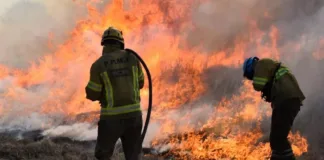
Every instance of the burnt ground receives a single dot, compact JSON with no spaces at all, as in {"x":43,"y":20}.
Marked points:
{"x":15,"y":145}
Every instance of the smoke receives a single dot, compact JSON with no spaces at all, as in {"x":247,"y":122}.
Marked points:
{"x":218,"y":22}
{"x":77,"y":131}
{"x":28,"y":26}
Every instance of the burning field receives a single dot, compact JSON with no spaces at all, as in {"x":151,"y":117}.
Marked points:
{"x":202,"y":107}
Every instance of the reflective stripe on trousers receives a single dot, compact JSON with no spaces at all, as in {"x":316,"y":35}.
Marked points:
{"x":135,"y":83}
{"x":108,"y":89}
{"x":121,"y":109}
{"x":281,"y":72}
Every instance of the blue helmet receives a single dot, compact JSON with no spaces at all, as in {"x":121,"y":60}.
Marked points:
{"x":248,"y":70}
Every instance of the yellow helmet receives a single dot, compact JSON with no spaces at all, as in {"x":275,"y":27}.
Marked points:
{"x":114,"y":34}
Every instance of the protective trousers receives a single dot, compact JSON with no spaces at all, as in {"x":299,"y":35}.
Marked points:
{"x":282,"y":120}
{"x":109,"y":131}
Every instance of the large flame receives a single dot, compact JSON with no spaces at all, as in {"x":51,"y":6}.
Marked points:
{"x":155,"y":30}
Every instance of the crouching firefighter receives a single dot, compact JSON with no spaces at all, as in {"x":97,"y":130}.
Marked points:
{"x":115,"y":81}
{"x":280,"y":88}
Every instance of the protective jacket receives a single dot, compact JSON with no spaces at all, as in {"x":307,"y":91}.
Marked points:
{"x":115,"y":81}
{"x":284,"y":86}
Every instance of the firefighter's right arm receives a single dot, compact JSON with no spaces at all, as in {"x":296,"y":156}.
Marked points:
{"x":94,"y":86}
{"x":261,"y":74}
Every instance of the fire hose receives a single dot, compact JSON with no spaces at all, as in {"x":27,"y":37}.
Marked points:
{"x":149,"y":109}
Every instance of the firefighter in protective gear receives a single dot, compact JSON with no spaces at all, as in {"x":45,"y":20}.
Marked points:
{"x":115,"y":81}
{"x":280,"y":88}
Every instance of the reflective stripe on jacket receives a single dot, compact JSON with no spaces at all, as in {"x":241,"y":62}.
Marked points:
{"x":94,"y":86}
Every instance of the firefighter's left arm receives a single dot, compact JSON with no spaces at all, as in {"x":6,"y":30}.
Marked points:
{"x":261,"y":74}
{"x":94,"y":86}
{"x":140,"y":76}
